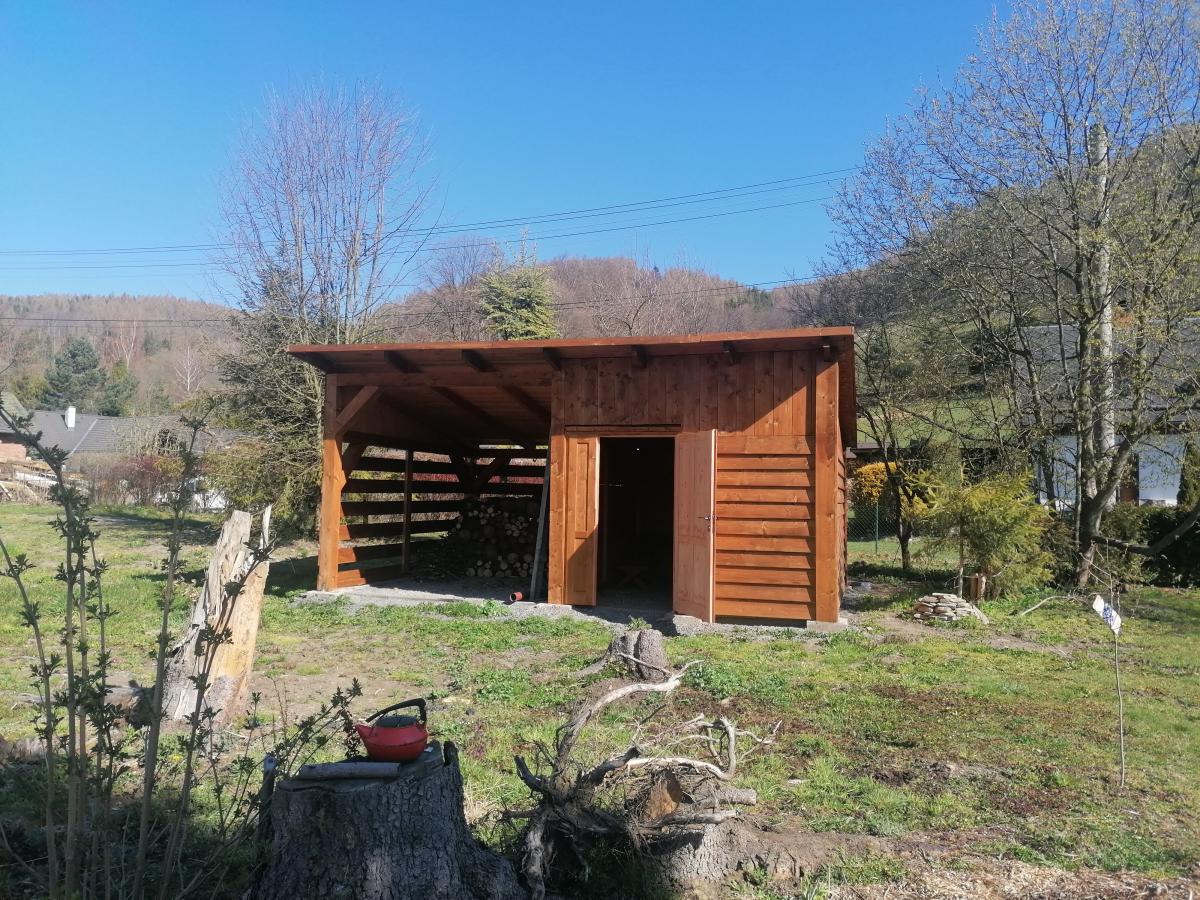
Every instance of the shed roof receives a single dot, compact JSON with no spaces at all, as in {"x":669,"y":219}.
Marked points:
{"x":496,"y":390}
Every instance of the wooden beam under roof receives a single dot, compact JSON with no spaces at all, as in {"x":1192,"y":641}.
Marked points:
{"x":730,"y":351}
{"x":322,"y":361}
{"x":451,"y":377}
{"x":357,"y":404}
{"x":432,"y":429}
{"x":640,"y":356}
{"x":501,"y":429}
{"x":553,"y":357}
{"x":529,"y":402}
{"x":400,"y":362}
{"x":476,"y":361}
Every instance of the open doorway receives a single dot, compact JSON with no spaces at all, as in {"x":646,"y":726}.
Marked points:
{"x":636,"y":521}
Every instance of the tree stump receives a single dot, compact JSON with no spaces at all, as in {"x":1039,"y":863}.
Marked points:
{"x":640,"y":653}
{"x":229,"y":671}
{"x":399,"y":838}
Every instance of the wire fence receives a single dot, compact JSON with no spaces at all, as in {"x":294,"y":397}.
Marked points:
{"x":873,"y":527}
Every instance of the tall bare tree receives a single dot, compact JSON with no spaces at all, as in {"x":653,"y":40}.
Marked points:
{"x":448,"y":307}
{"x":191,"y":364}
{"x":323,"y":223}
{"x":1041,"y":214}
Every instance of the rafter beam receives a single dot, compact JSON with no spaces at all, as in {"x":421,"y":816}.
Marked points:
{"x":322,"y":361}
{"x":476,"y":361}
{"x":529,"y":402}
{"x":400,"y":362}
{"x":639,"y":355}
{"x":553,"y":357}
{"x":501,"y":429}
{"x":432,"y":429}
{"x":524,"y":378}
{"x":730,"y":351}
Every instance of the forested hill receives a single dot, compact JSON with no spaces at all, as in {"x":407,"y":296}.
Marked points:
{"x":168,"y":344}
{"x":601,"y":296}
{"x":165,"y":343}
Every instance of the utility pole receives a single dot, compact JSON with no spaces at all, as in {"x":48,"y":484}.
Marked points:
{"x":1105,"y":375}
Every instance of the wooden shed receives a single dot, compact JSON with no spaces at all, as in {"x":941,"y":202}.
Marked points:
{"x":706,"y":469}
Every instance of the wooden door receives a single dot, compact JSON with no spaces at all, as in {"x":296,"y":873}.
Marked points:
{"x":695,"y":456}
{"x":582,"y":515}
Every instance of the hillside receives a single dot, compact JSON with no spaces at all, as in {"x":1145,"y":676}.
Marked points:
{"x":166,"y":342}
{"x":169,"y":343}
{"x":600,"y":296}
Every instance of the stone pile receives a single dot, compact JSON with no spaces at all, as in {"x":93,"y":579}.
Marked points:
{"x":946,"y":608}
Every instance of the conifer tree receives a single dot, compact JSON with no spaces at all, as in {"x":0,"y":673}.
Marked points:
{"x":517,"y":301}
{"x":74,"y":379}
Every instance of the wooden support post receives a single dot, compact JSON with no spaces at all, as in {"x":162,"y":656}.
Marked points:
{"x":535,"y":574}
{"x":333,"y":479}
{"x":408,"y":461}
{"x":827,"y":559}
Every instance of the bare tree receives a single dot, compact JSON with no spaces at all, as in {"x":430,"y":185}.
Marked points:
{"x":630,"y":300}
{"x":122,"y":342}
{"x":322,"y":215}
{"x":191,"y":365}
{"x":448,"y":308}
{"x":1041,"y":215}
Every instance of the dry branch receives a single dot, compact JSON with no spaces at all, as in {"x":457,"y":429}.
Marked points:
{"x":634,"y":796}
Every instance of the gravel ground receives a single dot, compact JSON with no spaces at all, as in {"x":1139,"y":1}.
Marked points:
{"x":616,"y":614}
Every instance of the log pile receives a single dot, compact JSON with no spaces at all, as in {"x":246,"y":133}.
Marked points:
{"x":495,"y":537}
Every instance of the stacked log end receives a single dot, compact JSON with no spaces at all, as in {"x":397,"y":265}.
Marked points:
{"x":496,"y":536}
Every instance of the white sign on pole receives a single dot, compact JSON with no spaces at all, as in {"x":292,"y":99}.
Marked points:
{"x":1111,"y":617}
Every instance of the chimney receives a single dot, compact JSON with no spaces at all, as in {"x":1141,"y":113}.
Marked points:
{"x":69,"y":417}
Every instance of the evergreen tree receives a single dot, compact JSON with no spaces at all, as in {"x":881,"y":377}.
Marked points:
{"x":1189,"y":476}
{"x":517,"y":302}
{"x":116,"y":397}
{"x":74,"y":379}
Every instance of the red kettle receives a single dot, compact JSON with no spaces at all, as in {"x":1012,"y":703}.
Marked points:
{"x":395,"y":738}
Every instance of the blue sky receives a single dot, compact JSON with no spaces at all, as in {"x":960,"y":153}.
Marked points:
{"x":119,"y":118}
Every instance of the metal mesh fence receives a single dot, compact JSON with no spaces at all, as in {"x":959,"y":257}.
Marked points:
{"x":871,"y":532}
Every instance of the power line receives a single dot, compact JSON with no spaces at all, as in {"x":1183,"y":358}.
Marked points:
{"x":522,"y":240}
{"x":781,"y":184}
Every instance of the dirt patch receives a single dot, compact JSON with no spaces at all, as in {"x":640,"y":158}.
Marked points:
{"x":984,"y":878}
{"x":899,"y":629}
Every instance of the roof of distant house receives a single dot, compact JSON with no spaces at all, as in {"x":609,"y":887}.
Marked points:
{"x":12,"y":405}
{"x":117,"y":434}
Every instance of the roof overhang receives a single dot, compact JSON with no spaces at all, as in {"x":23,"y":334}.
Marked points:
{"x":491,"y":383}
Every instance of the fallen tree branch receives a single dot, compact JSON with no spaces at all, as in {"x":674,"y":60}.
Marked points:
{"x":686,"y":818}
{"x":628,"y":799}
{"x":1189,"y":521}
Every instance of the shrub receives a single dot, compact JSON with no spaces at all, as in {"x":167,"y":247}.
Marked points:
{"x":1179,"y":564}
{"x":996,"y":525}
{"x":869,"y":485}
{"x":1189,"y":476}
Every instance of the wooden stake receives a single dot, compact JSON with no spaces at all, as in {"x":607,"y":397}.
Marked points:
{"x":535,"y":574}
{"x":332,"y":480}
{"x":408,"y":459}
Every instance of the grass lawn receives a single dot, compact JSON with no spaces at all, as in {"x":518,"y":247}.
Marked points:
{"x":997,"y":741}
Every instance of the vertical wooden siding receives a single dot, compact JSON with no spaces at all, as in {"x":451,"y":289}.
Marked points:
{"x":779,"y":537}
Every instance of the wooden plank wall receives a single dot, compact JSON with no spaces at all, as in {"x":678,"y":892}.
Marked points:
{"x":764,"y":547}
{"x":780,"y":548}
{"x":370,"y":536}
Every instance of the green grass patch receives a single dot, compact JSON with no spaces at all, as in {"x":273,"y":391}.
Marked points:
{"x":1009,"y":726}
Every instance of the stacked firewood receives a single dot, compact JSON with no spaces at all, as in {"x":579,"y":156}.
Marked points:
{"x":496,"y":536}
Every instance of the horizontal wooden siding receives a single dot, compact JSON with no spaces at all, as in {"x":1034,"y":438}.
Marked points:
{"x":764,"y":546}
